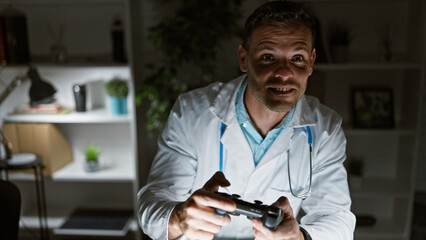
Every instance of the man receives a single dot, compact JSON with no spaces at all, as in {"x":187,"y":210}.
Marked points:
{"x":256,"y":130}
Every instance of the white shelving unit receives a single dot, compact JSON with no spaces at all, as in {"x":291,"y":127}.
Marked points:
{"x":87,"y":38}
{"x":386,"y":190}
{"x":112,"y":133}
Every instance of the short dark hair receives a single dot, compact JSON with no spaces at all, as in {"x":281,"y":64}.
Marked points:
{"x":278,"y":13}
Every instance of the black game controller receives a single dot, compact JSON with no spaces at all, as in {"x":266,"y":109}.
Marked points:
{"x":270,"y":216}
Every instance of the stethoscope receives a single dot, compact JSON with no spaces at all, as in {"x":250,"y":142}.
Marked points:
{"x":302,"y":195}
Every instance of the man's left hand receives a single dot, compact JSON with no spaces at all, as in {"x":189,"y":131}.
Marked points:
{"x":288,"y":228}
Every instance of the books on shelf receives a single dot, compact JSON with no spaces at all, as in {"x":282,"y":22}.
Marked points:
{"x":42,"y":109}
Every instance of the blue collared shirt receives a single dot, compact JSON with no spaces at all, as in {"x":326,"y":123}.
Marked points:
{"x":258,"y":145}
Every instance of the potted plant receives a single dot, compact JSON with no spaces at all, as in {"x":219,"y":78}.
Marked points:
{"x":188,"y":39}
{"x":91,"y":153}
{"x":117,"y":90}
{"x":339,"y":39}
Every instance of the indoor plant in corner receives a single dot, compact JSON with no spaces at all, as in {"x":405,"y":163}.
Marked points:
{"x":188,"y":39}
{"x":117,"y":90}
{"x":91,"y":153}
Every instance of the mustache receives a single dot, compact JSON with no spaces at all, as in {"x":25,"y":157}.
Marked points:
{"x":277,"y":81}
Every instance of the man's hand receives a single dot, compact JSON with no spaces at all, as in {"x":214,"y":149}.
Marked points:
{"x":288,"y":228}
{"x":196,"y":217}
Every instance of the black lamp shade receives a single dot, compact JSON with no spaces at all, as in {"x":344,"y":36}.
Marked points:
{"x":40,"y":91}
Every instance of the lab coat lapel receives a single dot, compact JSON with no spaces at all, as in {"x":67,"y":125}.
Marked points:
{"x":278,"y":147}
{"x":237,"y":148}
{"x":223,"y":106}
{"x":234,"y":142}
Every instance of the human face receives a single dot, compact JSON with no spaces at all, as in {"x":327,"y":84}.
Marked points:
{"x":278,"y":63}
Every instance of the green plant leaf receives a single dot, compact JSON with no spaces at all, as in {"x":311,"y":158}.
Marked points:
{"x":92,"y":152}
{"x":116,"y":87}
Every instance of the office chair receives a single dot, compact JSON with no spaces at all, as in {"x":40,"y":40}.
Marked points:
{"x":10,"y":210}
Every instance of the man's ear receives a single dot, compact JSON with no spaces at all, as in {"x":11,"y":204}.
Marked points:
{"x":242,"y":58}
{"x":313,"y":57}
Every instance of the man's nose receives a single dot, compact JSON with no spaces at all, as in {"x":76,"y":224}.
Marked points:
{"x":283,"y":70}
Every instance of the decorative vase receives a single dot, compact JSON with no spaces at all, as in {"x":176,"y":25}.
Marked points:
{"x":91,"y":165}
{"x":58,"y":53}
{"x":118,"y":105}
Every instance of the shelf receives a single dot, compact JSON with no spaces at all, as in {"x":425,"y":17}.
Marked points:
{"x":60,"y":1}
{"x":92,"y":116}
{"x":55,"y":220}
{"x":352,"y":1}
{"x":385,"y":228}
{"x":77,"y":61}
{"x":366,"y":66}
{"x":96,"y":222}
{"x":75,"y":172}
{"x":70,"y":64}
{"x":67,"y":66}
{"x":376,"y":187}
{"x":72,"y":61}
{"x":381,"y":132}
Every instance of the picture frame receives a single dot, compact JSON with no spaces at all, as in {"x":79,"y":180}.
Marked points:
{"x":373,"y":107}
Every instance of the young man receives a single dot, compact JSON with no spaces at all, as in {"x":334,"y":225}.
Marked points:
{"x":252,"y":137}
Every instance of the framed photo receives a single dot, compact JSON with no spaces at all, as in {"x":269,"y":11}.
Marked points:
{"x":372,"y":108}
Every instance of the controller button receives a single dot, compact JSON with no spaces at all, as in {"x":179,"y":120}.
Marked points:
{"x":220,"y":212}
{"x":236,"y":196}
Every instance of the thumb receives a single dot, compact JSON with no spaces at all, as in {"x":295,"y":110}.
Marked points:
{"x":216,"y":181}
{"x":284,"y":204}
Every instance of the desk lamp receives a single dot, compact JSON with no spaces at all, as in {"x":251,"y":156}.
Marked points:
{"x":40,"y":91}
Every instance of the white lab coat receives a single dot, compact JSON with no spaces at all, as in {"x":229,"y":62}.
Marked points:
{"x":188,"y":156}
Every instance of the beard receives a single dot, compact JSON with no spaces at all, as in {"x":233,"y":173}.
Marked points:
{"x":270,"y":100}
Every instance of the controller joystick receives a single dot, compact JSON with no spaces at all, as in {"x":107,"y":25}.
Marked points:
{"x":270,"y":216}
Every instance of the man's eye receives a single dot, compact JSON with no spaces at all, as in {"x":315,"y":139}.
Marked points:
{"x":298,"y":59}
{"x":267,"y":58}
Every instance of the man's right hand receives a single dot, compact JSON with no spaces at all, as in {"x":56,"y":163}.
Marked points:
{"x":196,"y":218}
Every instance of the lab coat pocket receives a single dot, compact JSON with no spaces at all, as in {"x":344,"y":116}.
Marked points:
{"x":273,"y":194}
